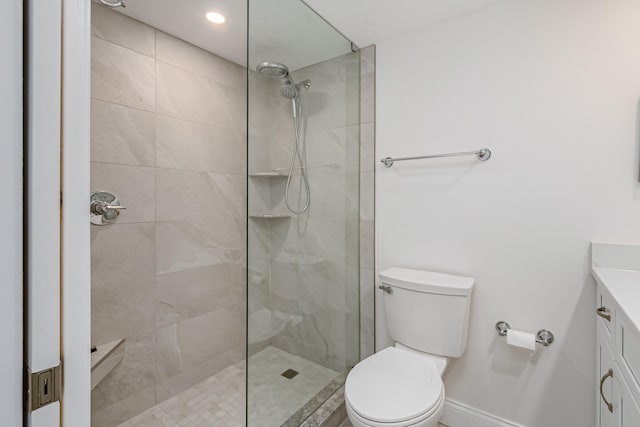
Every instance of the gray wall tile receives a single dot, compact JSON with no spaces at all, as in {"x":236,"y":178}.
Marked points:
{"x":122,"y":76}
{"x":183,"y":245}
{"x":185,"y":55}
{"x":181,"y":347}
{"x":122,"y":272}
{"x":183,"y":144}
{"x":190,"y":96}
{"x":133,"y":185}
{"x":314,"y":256}
{"x":122,"y":30}
{"x":169,"y":275}
{"x":199,"y":196}
{"x":190,"y":293}
{"x":129,"y":388}
{"x":122,"y":134}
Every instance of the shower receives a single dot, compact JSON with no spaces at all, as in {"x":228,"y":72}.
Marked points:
{"x":224,"y":242}
{"x":290,"y":90}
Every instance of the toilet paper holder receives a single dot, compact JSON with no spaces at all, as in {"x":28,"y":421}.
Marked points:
{"x":543,"y":336}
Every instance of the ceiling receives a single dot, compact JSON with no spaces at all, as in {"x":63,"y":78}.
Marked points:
{"x":289,"y":31}
{"x":186,"y":19}
{"x":371,"y":21}
{"x":284,"y":31}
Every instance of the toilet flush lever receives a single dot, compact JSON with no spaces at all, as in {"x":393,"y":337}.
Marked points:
{"x":386,"y":288}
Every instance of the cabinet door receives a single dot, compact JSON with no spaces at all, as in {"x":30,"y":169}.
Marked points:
{"x":606,"y":385}
{"x":627,"y":353}
{"x":628,"y":413}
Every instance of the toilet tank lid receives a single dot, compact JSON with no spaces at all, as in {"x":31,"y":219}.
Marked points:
{"x":427,"y":281}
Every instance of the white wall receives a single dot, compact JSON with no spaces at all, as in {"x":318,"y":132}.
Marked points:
{"x":11,"y":214}
{"x":552,"y":87}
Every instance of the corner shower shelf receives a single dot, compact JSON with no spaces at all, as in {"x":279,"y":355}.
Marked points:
{"x":269,"y":215}
{"x":271,"y":174}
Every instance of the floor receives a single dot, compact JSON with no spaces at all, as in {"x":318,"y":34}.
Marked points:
{"x":274,"y":398}
{"x":219,"y":400}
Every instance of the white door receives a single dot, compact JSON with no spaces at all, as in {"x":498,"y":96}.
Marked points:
{"x":42,"y":156}
{"x":11,"y":214}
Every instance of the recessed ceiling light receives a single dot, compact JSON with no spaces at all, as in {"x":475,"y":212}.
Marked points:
{"x":215,"y":17}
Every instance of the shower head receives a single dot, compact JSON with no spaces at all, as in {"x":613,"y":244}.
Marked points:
{"x":274,"y":70}
{"x":289,"y":90}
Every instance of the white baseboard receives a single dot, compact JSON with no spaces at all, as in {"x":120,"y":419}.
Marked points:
{"x":458,"y":414}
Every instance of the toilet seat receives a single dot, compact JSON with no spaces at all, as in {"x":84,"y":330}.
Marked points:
{"x":394,"y":388}
{"x":430,"y":419}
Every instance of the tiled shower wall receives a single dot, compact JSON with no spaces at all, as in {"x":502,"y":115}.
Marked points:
{"x":168,"y":138}
{"x":308,"y":266}
{"x":314,"y":261}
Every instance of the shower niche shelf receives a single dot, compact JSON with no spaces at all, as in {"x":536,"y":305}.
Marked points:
{"x":277,"y":173}
{"x":269,"y":215}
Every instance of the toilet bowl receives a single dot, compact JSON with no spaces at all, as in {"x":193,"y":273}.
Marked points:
{"x":394,"y":388}
{"x":427,"y":315}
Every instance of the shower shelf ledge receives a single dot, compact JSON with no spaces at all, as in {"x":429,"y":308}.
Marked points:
{"x":270,"y":174}
{"x":104,"y":359}
{"x":269,"y":215}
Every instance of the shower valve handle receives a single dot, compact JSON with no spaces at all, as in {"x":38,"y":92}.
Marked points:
{"x":98,"y":207}
{"x":104,"y":208}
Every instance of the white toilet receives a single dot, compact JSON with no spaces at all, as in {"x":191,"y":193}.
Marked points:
{"x":427,"y":316}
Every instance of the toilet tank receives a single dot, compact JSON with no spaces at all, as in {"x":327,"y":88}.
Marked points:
{"x":427,"y":311}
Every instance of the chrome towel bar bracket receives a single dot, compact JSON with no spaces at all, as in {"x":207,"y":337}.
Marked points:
{"x":543,"y":336}
{"x":482,"y":154}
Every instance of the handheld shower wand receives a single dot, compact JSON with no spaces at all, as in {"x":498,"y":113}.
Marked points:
{"x":290,"y":90}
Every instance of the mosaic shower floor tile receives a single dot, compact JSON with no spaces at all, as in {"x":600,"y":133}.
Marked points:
{"x":219,"y":400}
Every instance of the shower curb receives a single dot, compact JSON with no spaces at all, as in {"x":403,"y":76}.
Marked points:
{"x":331,"y":414}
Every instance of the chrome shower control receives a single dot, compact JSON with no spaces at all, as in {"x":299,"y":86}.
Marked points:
{"x":104,"y":208}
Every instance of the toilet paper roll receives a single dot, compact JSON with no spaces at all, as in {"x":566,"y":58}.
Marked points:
{"x":521,"y":339}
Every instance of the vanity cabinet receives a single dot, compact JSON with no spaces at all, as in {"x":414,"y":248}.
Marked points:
{"x":606,"y":369}
{"x":618,"y":363}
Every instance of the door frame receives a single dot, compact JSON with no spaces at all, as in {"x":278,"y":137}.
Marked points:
{"x":75,"y":239}
{"x":41,"y":97}
{"x":57,"y":153}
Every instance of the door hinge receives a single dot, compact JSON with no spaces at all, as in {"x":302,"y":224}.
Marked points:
{"x":43,"y":387}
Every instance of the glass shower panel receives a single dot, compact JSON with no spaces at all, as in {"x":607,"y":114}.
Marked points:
{"x":168,"y":138}
{"x":303,"y":211}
